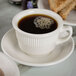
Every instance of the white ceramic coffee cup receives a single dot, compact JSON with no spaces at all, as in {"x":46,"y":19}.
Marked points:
{"x":40,"y":44}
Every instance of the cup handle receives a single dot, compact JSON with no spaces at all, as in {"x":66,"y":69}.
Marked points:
{"x":65,"y":34}
{"x":69,"y":23}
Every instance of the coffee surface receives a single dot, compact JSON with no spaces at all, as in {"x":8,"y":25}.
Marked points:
{"x":27,"y":24}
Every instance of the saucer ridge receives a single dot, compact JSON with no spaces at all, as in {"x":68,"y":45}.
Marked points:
{"x":59,"y":54}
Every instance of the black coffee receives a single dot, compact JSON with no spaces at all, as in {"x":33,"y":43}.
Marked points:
{"x":27,"y":24}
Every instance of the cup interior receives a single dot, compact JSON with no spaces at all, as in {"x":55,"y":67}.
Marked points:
{"x":36,"y":11}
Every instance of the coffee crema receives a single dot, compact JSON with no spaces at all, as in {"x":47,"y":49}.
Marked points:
{"x":27,"y":24}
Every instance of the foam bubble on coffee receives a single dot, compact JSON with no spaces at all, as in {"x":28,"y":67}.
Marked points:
{"x":43,"y":22}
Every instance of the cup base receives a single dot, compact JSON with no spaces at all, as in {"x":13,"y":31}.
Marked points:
{"x":37,"y":54}
{"x":40,"y":55}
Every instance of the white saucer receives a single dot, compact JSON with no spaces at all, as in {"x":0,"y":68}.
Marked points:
{"x":71,"y":19}
{"x":10,"y":47}
{"x":8,"y":67}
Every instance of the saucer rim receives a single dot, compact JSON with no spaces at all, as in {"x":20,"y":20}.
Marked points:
{"x":35,"y":64}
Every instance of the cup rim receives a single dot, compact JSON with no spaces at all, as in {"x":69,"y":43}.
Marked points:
{"x":35,"y":10}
